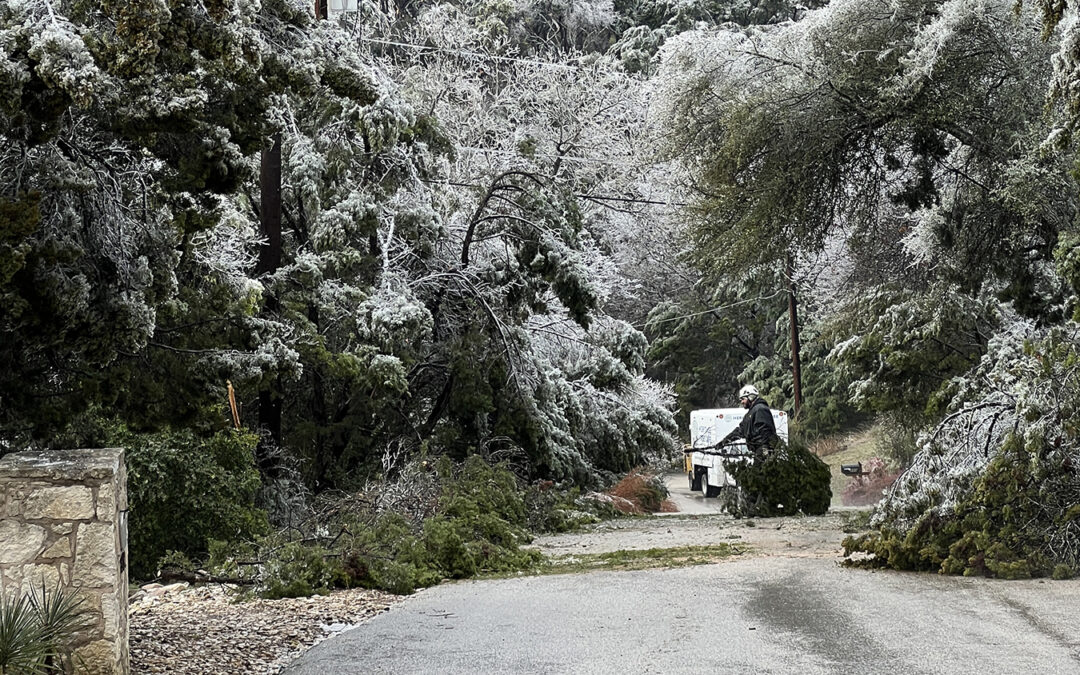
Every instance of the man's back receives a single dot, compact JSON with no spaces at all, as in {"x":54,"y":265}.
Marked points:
{"x":757,"y":426}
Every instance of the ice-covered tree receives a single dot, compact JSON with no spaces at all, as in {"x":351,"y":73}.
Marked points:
{"x":123,"y":127}
{"x":909,"y":136}
{"x":537,"y":146}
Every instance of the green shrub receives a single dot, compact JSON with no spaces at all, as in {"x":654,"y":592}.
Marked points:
{"x":791,"y":479}
{"x":298,"y":570}
{"x":389,"y":555}
{"x":1062,"y":571}
{"x":478,"y":527}
{"x":185,"y":490}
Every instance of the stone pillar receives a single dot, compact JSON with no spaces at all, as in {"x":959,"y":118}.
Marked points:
{"x":63,"y":520}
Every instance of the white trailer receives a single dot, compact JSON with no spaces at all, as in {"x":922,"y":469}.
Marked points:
{"x":705,"y":464}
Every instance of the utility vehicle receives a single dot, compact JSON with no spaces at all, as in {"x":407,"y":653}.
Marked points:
{"x":704,"y":462}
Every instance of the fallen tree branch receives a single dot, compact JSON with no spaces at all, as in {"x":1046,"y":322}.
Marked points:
{"x":201,"y":578}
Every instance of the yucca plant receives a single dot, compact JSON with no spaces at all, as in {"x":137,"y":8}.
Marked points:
{"x":57,"y":615}
{"x":33,"y":629}
{"x":22,"y":641}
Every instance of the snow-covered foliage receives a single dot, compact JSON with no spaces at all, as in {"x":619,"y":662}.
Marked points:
{"x":477,"y":227}
{"x":994,"y":487}
{"x":435,"y":204}
{"x":828,"y":123}
{"x":905,"y":346}
{"x":907,"y":137}
{"x":119,"y":127}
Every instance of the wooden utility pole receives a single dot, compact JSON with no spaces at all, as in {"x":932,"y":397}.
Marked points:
{"x":793,"y":317}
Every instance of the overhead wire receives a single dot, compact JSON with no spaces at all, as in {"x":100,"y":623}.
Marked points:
{"x":710,"y":310}
{"x":479,"y":55}
{"x":580,"y":195}
{"x":570,"y":158}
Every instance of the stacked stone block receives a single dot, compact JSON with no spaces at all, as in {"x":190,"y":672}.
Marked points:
{"x":63,"y":521}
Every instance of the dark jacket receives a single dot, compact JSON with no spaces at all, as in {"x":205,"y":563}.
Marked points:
{"x":757,"y":427}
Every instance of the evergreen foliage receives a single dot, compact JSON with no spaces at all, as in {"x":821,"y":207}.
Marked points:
{"x":907,"y":346}
{"x":1006,"y":506}
{"x":827,"y":404}
{"x":788,"y":480}
{"x":185,"y":490}
{"x":703,"y":343}
{"x":1001,"y":527}
{"x":400,"y":317}
{"x":480,"y":257}
{"x":478,"y":524}
{"x":905,"y":150}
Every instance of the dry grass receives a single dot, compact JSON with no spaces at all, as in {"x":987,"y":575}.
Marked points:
{"x":860,"y":445}
{"x":824,"y":447}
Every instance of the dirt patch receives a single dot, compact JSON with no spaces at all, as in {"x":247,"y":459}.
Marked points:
{"x":796,"y":536}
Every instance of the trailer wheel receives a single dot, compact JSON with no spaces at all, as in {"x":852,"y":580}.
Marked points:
{"x":706,"y":489}
{"x":695,"y":479}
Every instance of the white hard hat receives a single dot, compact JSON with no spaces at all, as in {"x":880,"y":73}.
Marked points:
{"x":749,"y":391}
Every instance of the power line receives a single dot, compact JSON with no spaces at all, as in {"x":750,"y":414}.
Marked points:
{"x":571,"y":158}
{"x":629,"y":200}
{"x":478,"y":55}
{"x":710,"y":310}
{"x":580,"y":195}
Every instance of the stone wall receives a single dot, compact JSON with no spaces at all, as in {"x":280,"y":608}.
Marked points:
{"x":63,"y":520}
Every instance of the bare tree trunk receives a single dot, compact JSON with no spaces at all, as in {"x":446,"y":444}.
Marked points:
{"x":270,"y":211}
{"x":793,"y":318}
{"x":269,"y":262}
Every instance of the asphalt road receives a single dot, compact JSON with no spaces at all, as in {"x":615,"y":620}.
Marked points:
{"x":766,"y":614}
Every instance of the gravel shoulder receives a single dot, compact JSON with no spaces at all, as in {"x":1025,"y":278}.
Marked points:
{"x":183,"y":630}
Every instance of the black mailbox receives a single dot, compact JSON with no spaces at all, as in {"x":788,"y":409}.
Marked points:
{"x":851,"y":469}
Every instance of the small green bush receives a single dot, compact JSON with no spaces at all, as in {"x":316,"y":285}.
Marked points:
{"x":298,"y":570}
{"x":791,"y":479}
{"x":185,"y":489}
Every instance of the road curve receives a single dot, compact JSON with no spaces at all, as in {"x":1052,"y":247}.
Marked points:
{"x":746,"y":615}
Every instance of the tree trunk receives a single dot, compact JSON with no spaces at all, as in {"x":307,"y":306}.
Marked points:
{"x":269,"y":262}
{"x":793,"y":318}
{"x":270,"y":209}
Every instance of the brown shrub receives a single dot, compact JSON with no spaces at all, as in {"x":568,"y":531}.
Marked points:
{"x":640,"y":492}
